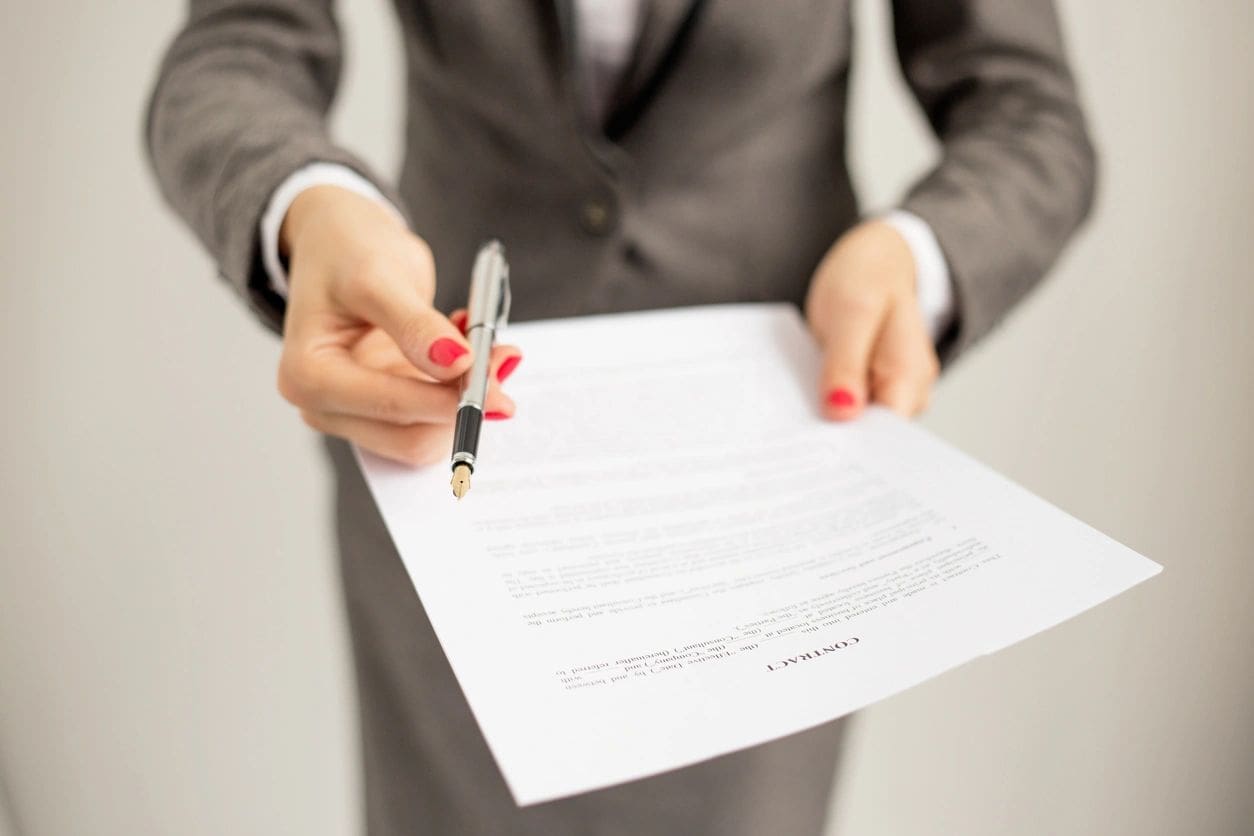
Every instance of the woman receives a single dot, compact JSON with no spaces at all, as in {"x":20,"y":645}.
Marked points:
{"x":630,"y":155}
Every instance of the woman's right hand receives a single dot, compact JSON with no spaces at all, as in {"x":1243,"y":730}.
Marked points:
{"x":365,"y":355}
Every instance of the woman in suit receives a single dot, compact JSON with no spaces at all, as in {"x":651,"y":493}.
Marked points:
{"x":630,"y":154}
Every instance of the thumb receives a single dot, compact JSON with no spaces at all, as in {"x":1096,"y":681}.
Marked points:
{"x":847,"y":345}
{"x":391,"y":299}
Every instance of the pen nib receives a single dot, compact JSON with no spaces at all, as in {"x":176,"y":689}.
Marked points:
{"x":461,"y":480}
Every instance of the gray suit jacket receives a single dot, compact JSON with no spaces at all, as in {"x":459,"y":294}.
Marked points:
{"x":718,"y":176}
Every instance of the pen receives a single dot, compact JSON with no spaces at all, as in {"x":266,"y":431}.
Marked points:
{"x":487,"y":310}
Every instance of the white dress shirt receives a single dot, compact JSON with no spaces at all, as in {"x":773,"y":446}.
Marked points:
{"x":606,"y":33}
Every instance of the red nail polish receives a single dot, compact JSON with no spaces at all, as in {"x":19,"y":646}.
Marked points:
{"x":444,"y":352}
{"x":459,"y":321}
{"x":841,"y":398}
{"x":495,"y":415}
{"x":507,"y":367}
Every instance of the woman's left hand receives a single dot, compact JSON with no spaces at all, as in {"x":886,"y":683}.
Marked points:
{"x":863,"y":309}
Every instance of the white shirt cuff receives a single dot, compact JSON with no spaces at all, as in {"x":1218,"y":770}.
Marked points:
{"x":933,"y":284}
{"x":313,"y":174}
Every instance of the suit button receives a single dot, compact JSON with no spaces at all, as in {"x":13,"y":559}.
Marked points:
{"x":597,"y":216}
{"x":633,"y":255}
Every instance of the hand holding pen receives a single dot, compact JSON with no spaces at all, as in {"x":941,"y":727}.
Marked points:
{"x":365,"y":354}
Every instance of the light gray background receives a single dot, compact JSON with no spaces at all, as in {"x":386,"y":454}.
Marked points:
{"x":172,"y":657}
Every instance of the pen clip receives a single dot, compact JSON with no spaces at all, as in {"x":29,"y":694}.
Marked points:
{"x":502,"y":308}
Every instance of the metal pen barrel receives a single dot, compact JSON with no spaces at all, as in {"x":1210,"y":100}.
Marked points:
{"x":488,"y":308}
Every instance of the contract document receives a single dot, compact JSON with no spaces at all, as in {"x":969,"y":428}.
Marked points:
{"x":668,"y":555}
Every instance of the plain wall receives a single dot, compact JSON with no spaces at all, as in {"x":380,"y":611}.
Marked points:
{"x":172,"y":650}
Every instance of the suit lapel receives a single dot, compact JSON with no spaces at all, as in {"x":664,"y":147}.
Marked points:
{"x":559,"y":25}
{"x":664,"y":31}
{"x":661,"y":22}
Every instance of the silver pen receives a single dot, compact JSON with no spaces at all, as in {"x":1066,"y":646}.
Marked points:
{"x":487,"y":311}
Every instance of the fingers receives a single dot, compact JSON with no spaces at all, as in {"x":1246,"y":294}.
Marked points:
{"x":391,"y":412}
{"x":877,"y":357}
{"x":337,"y":384}
{"x":412,"y":444}
{"x":497,"y":405}
{"x":904,"y":365}
{"x":416,"y":445}
{"x":505,"y":359}
{"x":459,"y":318}
{"x":847,"y":346}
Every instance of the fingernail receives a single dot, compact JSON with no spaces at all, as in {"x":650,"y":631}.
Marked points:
{"x":444,"y":352}
{"x":507,"y":367}
{"x":494,"y":415}
{"x":459,"y":321}
{"x":841,"y":398}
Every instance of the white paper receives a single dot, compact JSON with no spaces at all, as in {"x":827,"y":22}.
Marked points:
{"x":667,"y":555}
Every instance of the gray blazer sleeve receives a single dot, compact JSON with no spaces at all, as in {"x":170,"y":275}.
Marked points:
{"x":1017,"y":169}
{"x":239,"y":104}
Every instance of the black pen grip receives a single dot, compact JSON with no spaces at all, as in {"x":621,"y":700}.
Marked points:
{"x":466,"y":433}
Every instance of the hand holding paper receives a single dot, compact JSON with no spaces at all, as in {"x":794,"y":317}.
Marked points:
{"x":863,"y":309}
